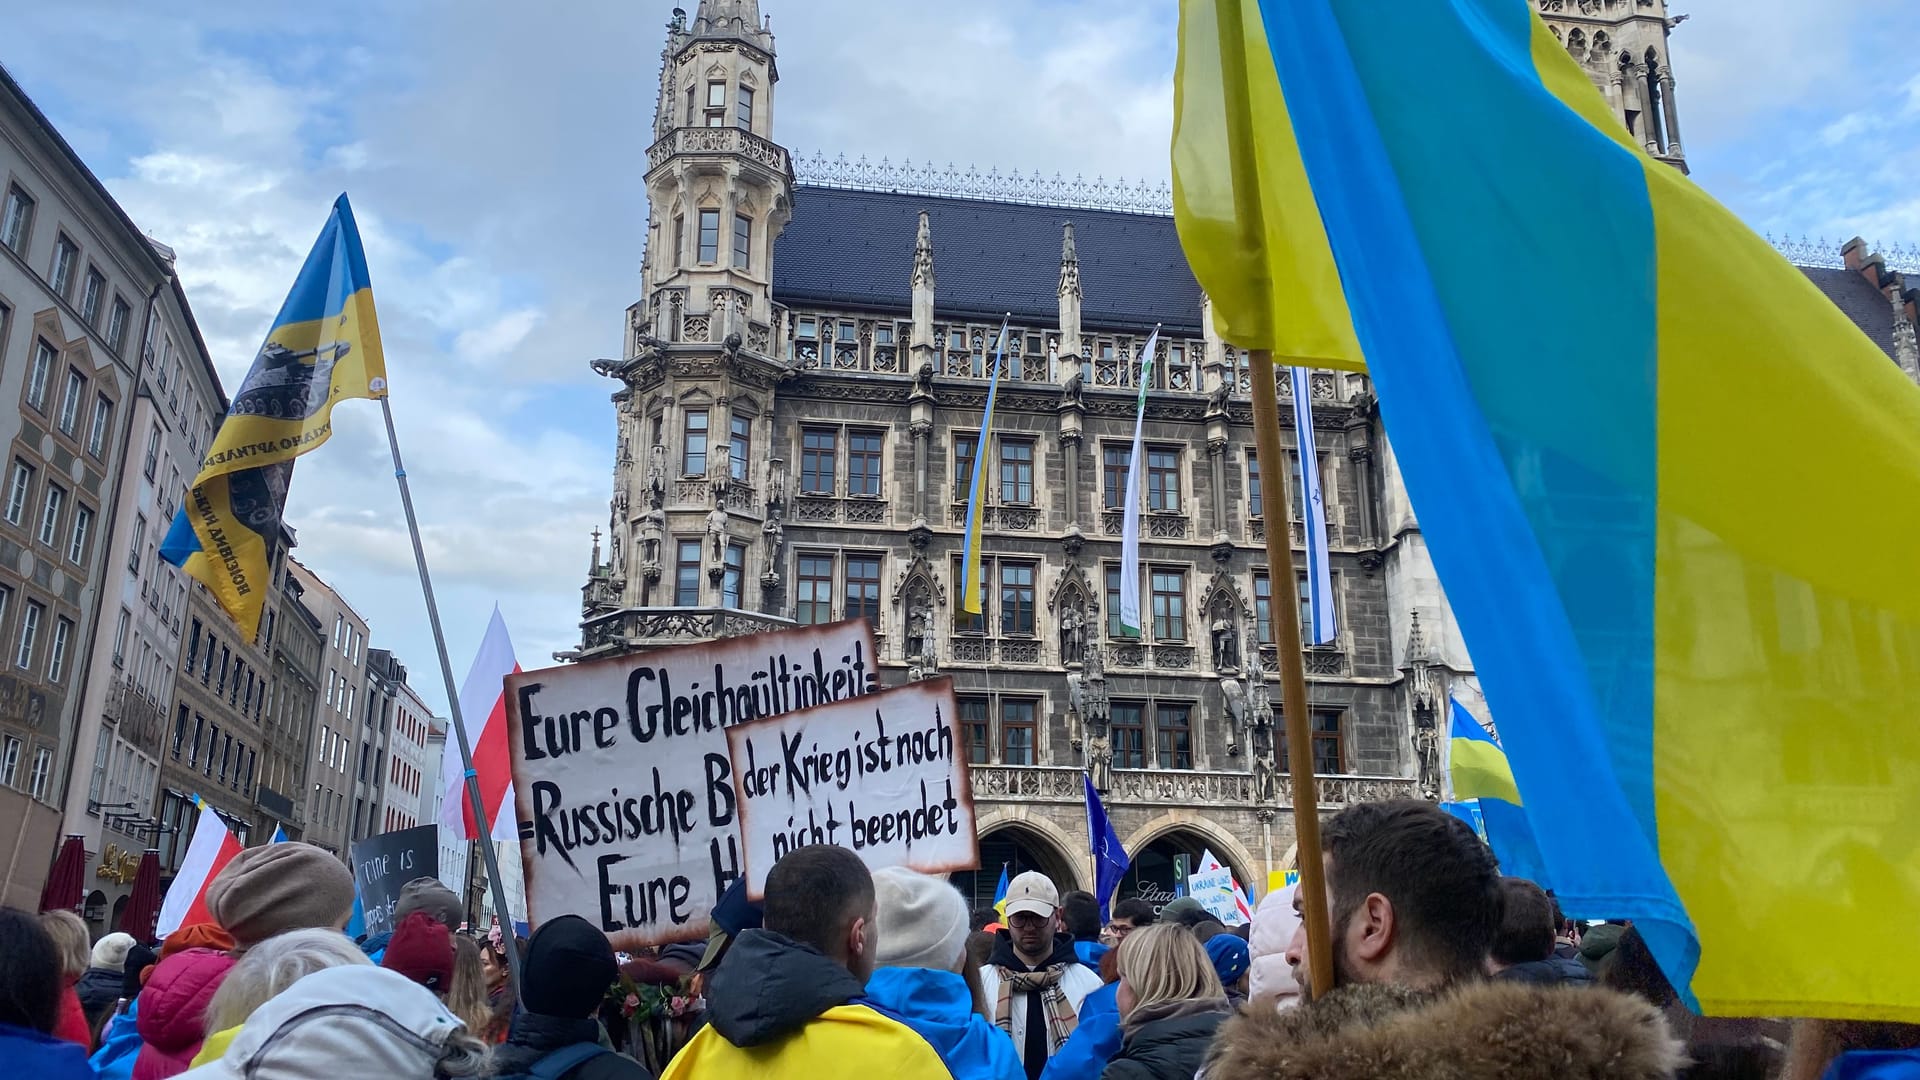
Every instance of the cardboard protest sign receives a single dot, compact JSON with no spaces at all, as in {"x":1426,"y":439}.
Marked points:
{"x":882,"y":775}
{"x":383,"y":864}
{"x":1214,"y":890}
{"x":622,"y":783}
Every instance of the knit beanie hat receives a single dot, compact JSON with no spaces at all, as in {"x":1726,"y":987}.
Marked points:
{"x":568,"y":970}
{"x":133,"y":973}
{"x":1230,"y":957}
{"x":110,"y":952}
{"x":422,"y":950}
{"x":277,"y":887}
{"x":922,"y":920}
{"x":429,"y":895}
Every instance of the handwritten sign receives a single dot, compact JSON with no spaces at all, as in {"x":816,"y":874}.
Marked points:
{"x":623,"y":785}
{"x":1214,"y":890}
{"x":881,"y":775}
{"x":383,"y":864}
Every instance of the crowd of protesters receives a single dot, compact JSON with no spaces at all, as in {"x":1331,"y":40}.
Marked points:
{"x":1442,"y":968}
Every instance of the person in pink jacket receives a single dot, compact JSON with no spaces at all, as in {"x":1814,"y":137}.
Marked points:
{"x":173,"y":1002}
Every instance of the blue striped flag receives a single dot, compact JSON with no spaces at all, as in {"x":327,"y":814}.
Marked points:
{"x":1320,"y":628}
{"x":1130,"y":516}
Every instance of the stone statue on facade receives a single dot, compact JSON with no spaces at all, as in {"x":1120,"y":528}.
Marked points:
{"x":1266,"y":780}
{"x":919,"y":628}
{"x":1234,"y":697}
{"x":1095,"y":713}
{"x":923,"y":380}
{"x":1260,"y":714}
{"x":717,"y":532}
{"x":1070,"y":390}
{"x":1222,"y":392}
{"x":1426,"y":750}
{"x":1073,"y":635}
{"x":1076,"y":704}
{"x":653,"y":531}
{"x":1226,"y":644}
{"x":657,"y":476}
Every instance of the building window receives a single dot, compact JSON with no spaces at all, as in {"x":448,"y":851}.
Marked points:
{"x":742,"y":240}
{"x":863,"y":588}
{"x":17,"y":491}
{"x":818,"y":447}
{"x":29,"y":635}
{"x":964,"y":621}
{"x":679,"y":241}
{"x":16,"y":222}
{"x":1173,"y":735}
{"x":1328,"y":757}
{"x":691,"y":99}
{"x":1016,"y":732}
{"x":90,"y":297}
{"x":1253,"y":486}
{"x":740,"y":429}
{"x":709,"y":236}
{"x":974,"y":730}
{"x":734,"y":577}
{"x":10,"y":762}
{"x":57,"y":657}
{"x":964,"y":449}
{"x":1129,"y":728}
{"x":42,"y":767}
{"x":153,"y":451}
{"x":117,"y":325}
{"x":1113,"y":476}
{"x":1115,"y":629}
{"x":1169,"y":605}
{"x":716,"y":104}
{"x":43,"y":357}
{"x":743,"y":108}
{"x":686,"y":574}
{"x":813,"y":597}
{"x":1163,"y":480}
{"x":81,"y":537}
{"x":120,"y":637}
{"x":65,"y":255}
{"x":97,"y":429}
{"x":693,"y":445}
{"x":52,"y":503}
{"x":1016,"y":472}
{"x":863,"y":462}
{"x":1263,"y":609}
{"x":70,"y":402}
{"x":1016,"y":599}
{"x":133,"y":551}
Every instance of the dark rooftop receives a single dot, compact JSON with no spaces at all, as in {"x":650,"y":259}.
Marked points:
{"x":854,"y":249}
{"x":1853,"y":294}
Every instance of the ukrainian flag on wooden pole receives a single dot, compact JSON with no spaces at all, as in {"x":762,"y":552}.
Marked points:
{"x":324,"y":346}
{"x":972,"y":585}
{"x":1706,"y":699}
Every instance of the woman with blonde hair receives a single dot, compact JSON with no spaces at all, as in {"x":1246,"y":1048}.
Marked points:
{"x":70,"y":941}
{"x":267,"y":970}
{"x":1170,"y":1000}
{"x":466,"y":995}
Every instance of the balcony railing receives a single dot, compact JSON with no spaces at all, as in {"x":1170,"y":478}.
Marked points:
{"x":717,"y":140}
{"x":1182,"y":787}
{"x":642,"y":627}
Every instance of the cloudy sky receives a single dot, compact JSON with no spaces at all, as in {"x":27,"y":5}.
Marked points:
{"x":494,"y":152}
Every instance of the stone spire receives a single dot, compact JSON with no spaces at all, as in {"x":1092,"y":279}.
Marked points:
{"x":923,"y":287}
{"x":732,"y":19}
{"x":1069,"y":296}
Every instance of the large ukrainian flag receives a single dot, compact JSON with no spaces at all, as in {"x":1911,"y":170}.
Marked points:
{"x":1670,"y":488}
{"x":324,"y":346}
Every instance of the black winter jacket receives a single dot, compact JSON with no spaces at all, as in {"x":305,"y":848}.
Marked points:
{"x":769,"y":985}
{"x":1170,"y":1049}
{"x":98,"y":989}
{"x":535,"y":1036}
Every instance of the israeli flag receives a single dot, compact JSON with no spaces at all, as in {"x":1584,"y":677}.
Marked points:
{"x":1320,"y":628}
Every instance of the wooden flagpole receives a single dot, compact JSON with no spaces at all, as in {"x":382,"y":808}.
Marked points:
{"x":1293,"y":688}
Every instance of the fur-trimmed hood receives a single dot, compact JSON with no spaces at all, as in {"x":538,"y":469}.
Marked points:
{"x":1495,"y":1031}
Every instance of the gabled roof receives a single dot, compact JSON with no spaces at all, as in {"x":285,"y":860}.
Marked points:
{"x":1853,"y":294}
{"x":854,"y":249}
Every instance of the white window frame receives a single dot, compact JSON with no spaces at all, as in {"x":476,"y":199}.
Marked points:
{"x":29,"y":635}
{"x":80,"y":534}
{"x":19,"y":489}
{"x":57,"y":653}
{"x":10,"y":761}
{"x":70,"y":402}
{"x":16,"y":226}
{"x":97,"y":432}
{"x":44,"y":356}
{"x":42,"y":771}
{"x":66,"y":254}
{"x":53,"y":502}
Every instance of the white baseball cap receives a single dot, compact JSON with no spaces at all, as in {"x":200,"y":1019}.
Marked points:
{"x":1032,"y":892}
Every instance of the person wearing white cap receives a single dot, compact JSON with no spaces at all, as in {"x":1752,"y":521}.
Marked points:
{"x":921,"y":975}
{"x":1033,"y":981}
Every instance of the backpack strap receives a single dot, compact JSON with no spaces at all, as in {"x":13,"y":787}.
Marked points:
{"x":564,"y":1060}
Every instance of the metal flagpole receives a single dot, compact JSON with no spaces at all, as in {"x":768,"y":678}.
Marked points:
{"x":500,"y":911}
{"x":1293,"y":691}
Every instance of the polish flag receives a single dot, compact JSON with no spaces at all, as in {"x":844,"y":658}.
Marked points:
{"x":208,"y":852}
{"x":483,"y":706}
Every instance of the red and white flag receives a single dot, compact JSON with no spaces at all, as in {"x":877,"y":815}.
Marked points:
{"x":483,"y":706}
{"x":1208,"y":862}
{"x":210,"y":849}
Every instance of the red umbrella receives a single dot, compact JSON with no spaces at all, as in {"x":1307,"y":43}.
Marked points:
{"x":143,"y":905}
{"x":66,"y":882}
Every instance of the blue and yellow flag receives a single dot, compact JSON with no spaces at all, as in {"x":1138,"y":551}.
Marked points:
{"x":1000,"y":893}
{"x":1481,"y":778}
{"x":324,"y":346}
{"x":1706,"y":705}
{"x":973,"y":585}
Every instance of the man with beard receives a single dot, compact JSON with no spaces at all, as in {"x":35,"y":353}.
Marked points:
{"x":1034,"y":983}
{"x":1416,"y":899}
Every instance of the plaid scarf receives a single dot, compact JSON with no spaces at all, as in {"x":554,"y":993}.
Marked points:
{"x":1061,"y":1019}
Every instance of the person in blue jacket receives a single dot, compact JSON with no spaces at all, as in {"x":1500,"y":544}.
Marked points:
{"x":923,"y":979}
{"x":31,"y":981}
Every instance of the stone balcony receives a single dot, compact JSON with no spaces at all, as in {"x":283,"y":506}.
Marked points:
{"x":632,"y":628}
{"x":1173,"y":787}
